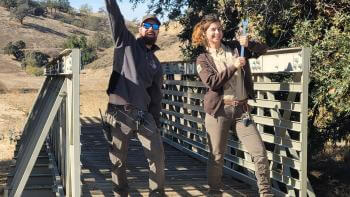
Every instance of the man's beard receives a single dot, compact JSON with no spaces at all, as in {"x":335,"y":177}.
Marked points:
{"x":149,"y":40}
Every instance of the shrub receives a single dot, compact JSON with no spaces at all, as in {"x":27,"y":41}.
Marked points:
{"x":35,"y":59}
{"x":88,"y":55}
{"x":88,"y":52}
{"x":39,"y":11}
{"x":36,"y":71}
{"x":20,"y":44}
{"x":15,"y":49}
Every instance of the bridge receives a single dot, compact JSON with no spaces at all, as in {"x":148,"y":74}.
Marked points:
{"x":62,"y":154}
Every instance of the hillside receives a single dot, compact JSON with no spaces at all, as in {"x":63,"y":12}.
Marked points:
{"x":37,"y":32}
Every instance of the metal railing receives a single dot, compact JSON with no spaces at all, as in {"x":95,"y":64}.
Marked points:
{"x":281,"y":80}
{"x":52,"y":130}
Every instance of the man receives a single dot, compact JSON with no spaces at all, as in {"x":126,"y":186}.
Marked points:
{"x":135,"y":99}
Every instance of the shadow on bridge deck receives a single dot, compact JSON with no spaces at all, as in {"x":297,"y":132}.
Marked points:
{"x":185,"y":176}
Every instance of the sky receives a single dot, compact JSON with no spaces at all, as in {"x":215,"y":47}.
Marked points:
{"x":125,"y":7}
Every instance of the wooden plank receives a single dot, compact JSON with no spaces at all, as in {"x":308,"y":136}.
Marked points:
{"x":185,"y":176}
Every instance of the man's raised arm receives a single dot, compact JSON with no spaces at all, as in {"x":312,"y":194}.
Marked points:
{"x":119,"y":31}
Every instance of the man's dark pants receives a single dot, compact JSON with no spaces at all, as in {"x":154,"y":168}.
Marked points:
{"x":123,"y":125}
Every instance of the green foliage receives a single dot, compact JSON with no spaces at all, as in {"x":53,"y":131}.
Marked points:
{"x":322,"y":25}
{"x":15,"y":49}
{"x":88,"y":52}
{"x":329,"y":39}
{"x":35,"y":59}
{"x":21,"y":12}
{"x":20,"y":44}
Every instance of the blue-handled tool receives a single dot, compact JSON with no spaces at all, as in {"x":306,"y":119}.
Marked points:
{"x":244,"y":33}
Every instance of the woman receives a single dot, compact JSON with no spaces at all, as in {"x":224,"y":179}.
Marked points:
{"x":229,"y":81}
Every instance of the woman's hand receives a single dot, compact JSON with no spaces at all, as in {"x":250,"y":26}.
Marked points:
{"x":243,"y":40}
{"x":239,"y":62}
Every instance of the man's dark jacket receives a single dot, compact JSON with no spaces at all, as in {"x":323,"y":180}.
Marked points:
{"x":137,"y":74}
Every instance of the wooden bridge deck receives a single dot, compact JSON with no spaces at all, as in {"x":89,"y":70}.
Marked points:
{"x":185,"y":176}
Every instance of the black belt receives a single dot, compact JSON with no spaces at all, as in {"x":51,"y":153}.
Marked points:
{"x":125,"y":117}
{"x":113,"y":107}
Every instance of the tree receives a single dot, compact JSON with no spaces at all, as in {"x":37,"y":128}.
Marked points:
{"x":21,"y":12}
{"x":63,"y":5}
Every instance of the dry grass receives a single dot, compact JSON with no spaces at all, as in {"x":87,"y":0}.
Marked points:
{"x":3,"y":88}
{"x":37,"y":32}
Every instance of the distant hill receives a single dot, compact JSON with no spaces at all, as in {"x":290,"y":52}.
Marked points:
{"x":47,"y":35}
{"x":40,"y":33}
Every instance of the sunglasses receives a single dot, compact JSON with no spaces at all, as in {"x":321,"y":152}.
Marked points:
{"x":149,"y":25}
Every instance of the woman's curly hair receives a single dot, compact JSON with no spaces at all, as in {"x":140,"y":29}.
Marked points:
{"x":198,"y":35}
